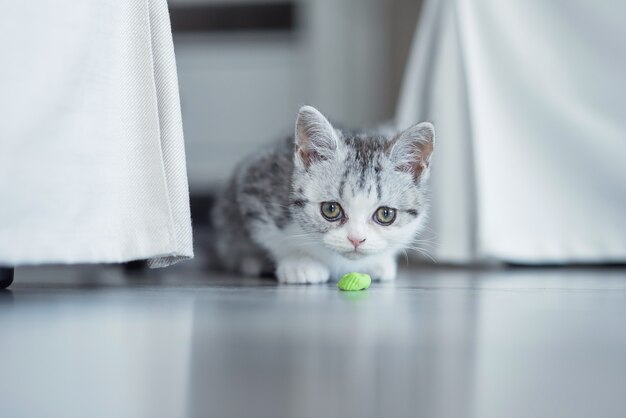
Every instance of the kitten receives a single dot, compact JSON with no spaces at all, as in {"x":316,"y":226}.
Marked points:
{"x":324,"y":204}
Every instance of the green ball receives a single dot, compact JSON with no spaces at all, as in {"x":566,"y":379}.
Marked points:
{"x":354,"y":281}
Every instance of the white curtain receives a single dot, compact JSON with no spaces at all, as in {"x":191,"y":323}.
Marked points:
{"x":92,"y":162}
{"x":529,"y":102}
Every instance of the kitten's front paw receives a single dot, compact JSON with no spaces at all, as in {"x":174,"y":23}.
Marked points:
{"x":384,"y":270}
{"x":301,"y":270}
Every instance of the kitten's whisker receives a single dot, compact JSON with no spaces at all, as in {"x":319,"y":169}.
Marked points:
{"x":299,"y":236}
{"x":302,"y":236}
{"x":304,"y":239}
{"x":429,"y":241}
{"x":308,"y":240}
{"x":423,"y":251}
{"x":428,"y":228}
{"x":302,"y":244}
{"x":423,"y":241}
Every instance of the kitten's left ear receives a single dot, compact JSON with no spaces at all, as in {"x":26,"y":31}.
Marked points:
{"x":412,"y":149}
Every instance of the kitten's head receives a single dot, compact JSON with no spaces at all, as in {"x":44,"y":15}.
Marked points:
{"x":359,"y":194}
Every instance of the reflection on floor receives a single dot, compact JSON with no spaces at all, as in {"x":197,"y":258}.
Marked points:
{"x":90,"y":342}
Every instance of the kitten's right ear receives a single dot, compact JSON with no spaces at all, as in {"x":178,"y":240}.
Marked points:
{"x":315,"y":138}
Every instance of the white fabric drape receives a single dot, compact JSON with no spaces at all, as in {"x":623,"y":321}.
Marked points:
{"x":529,"y":102}
{"x":92,"y":162}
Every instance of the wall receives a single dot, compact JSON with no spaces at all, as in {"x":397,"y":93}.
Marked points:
{"x":242,"y":89}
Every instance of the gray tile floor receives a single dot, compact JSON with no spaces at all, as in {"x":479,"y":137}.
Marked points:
{"x":90,"y":342}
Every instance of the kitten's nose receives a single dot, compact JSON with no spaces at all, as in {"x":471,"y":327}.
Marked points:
{"x":356,"y":241}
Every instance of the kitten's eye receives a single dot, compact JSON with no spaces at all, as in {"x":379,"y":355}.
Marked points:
{"x":332,"y":211}
{"x":385,"y":216}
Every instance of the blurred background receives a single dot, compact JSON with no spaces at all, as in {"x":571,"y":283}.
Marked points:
{"x":528,"y":110}
{"x":530,"y":125}
{"x":245,"y":67}
{"x":522,"y":315}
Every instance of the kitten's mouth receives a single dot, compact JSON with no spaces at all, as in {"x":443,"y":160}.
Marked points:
{"x":353,"y":255}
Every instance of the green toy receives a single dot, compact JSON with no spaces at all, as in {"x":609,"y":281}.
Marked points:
{"x":354,"y":281}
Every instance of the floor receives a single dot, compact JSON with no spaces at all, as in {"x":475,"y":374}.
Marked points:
{"x":92,"y":342}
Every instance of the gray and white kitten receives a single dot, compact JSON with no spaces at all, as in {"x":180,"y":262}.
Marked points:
{"x":325,"y":203}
